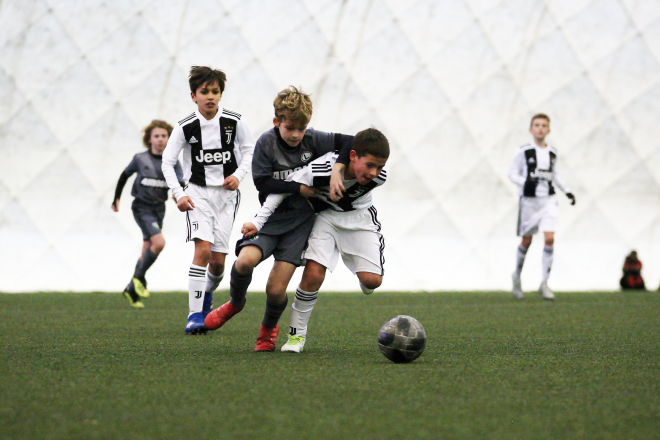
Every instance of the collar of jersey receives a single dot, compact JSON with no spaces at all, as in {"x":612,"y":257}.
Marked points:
{"x":203,"y":120}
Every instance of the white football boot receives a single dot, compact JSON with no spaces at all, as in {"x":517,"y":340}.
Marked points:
{"x":294,"y":344}
{"x":517,"y":286}
{"x":545,"y":292}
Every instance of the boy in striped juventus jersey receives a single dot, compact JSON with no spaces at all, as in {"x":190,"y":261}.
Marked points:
{"x":279,"y":152}
{"x":348,"y":226}
{"x":217,"y":151}
{"x":534,"y":171}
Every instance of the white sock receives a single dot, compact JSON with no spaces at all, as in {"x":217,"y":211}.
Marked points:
{"x":366,"y":290}
{"x":547,"y":262}
{"x":520,"y":258}
{"x":196,"y":285}
{"x":213,"y":281}
{"x":301,"y":311}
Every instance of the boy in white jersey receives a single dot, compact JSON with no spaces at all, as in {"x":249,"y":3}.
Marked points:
{"x":217,"y":152}
{"x":348,"y":227}
{"x":534,"y":171}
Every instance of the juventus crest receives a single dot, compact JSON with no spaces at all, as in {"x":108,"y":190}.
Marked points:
{"x":230,"y":131}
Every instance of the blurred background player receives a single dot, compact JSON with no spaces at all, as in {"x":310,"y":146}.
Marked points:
{"x":150,"y":192}
{"x":280,"y":151}
{"x":632,"y":273}
{"x":534,"y":171}
{"x":217,"y":151}
{"x":348,"y":227}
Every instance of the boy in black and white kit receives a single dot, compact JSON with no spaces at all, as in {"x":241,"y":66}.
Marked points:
{"x":280,"y":151}
{"x":217,"y":152}
{"x":150,"y":192}
{"x":534,"y":171}
{"x":347,"y":227}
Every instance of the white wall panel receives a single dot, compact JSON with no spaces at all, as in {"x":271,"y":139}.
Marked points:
{"x":451,"y":83}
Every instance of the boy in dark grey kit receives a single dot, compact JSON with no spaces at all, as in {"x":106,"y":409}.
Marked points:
{"x":282,"y":150}
{"x":150,"y":192}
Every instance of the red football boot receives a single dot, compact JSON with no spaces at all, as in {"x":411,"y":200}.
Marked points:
{"x":219,"y":316}
{"x":267,"y":338}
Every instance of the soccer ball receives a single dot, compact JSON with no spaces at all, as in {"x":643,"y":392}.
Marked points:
{"x":402,"y":339}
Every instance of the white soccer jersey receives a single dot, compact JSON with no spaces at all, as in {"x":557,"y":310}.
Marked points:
{"x":534,"y":171}
{"x":212,"y":150}
{"x":317,"y":174}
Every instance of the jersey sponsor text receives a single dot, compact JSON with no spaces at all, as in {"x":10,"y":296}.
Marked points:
{"x":213,"y":157}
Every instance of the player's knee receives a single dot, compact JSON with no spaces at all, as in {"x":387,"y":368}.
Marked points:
{"x":549,"y":241}
{"x":526,"y":242}
{"x":313,"y":277}
{"x":247,"y":259}
{"x":275,"y":292}
{"x":157,"y":243}
{"x":157,"y":248}
{"x":370,"y":280}
{"x":216,"y":268}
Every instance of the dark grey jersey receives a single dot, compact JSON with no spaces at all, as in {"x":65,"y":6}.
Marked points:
{"x":274,"y":160}
{"x":150,"y":186}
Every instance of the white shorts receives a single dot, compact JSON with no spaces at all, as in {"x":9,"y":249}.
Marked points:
{"x":355,"y":235}
{"x":537,"y":214}
{"x":213,"y":215}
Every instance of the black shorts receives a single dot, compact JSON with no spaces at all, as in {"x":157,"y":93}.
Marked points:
{"x":287,"y":246}
{"x":148,"y":217}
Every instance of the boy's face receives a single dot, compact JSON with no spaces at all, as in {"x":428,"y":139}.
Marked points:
{"x":292,"y":132}
{"x":540,"y":128}
{"x":364,"y":168}
{"x":158,"y":141}
{"x":207,"y":97}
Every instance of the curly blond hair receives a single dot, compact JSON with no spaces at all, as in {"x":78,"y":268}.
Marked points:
{"x":156,"y":123}
{"x":291,"y":103}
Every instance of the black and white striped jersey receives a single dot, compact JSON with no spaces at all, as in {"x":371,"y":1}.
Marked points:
{"x":317,"y":174}
{"x":534,"y":171}
{"x":212,"y":150}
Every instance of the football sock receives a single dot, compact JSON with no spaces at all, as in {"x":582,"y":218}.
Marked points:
{"x":520,"y":258}
{"x":196,"y":285}
{"x":238,"y":285}
{"x":144,"y":264}
{"x":547,"y":262}
{"x":301,"y":311}
{"x":213,"y":281}
{"x":273,"y":312}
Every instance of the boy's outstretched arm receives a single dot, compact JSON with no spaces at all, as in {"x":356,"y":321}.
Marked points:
{"x":128,"y":172}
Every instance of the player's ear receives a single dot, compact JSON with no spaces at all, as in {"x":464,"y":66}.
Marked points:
{"x":353,"y":155}
{"x":194,"y":98}
{"x":276,"y":123}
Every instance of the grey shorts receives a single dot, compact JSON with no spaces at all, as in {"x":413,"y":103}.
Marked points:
{"x":288,"y":246}
{"x":149,"y":218}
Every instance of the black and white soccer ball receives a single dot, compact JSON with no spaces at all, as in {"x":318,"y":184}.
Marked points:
{"x":402,"y":339}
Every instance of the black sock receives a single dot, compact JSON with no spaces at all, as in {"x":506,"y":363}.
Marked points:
{"x":238,"y":285}
{"x":143,"y":265}
{"x":273,"y":313}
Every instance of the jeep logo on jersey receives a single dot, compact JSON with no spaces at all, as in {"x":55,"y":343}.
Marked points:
{"x":307,"y":155}
{"x":213,"y":157}
{"x":229,"y":130}
{"x":530,"y":160}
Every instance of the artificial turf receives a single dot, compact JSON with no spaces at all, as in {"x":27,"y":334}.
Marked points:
{"x":585,"y":366}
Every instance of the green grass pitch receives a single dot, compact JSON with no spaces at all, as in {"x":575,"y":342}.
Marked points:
{"x":586,"y":366}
